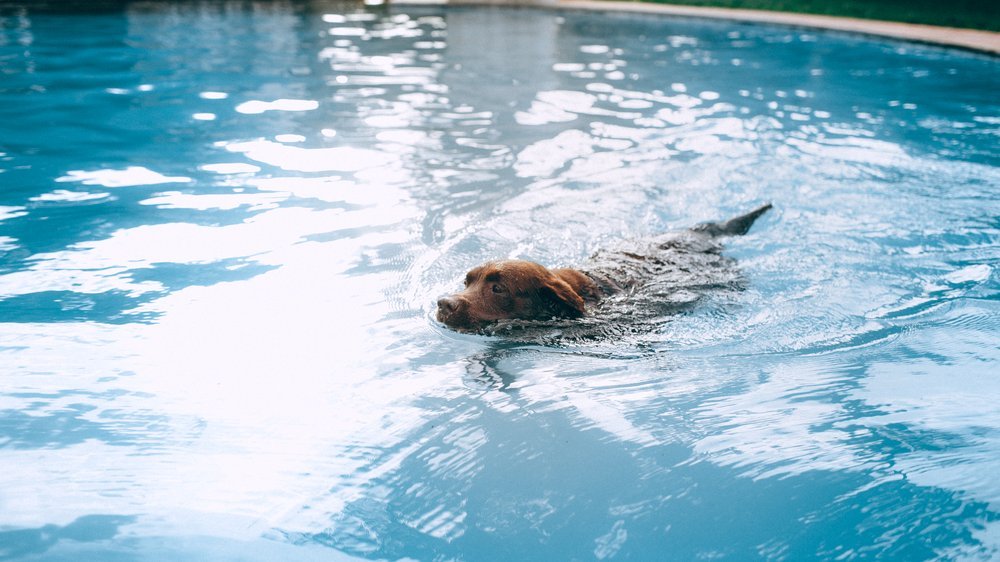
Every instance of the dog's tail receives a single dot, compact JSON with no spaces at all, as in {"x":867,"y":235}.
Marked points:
{"x":735,"y":226}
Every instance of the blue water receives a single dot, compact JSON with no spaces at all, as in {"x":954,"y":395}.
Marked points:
{"x":223,"y":227}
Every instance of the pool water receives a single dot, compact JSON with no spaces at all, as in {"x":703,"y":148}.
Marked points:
{"x":223,"y":228}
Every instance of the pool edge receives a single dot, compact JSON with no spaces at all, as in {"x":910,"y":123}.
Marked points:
{"x":980,"y":41}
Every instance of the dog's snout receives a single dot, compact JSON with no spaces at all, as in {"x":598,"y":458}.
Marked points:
{"x":447,"y":305}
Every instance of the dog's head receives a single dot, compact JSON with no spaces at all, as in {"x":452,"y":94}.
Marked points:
{"x":511,"y":289}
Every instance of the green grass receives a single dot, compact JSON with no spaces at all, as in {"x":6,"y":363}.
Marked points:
{"x":976,"y":14}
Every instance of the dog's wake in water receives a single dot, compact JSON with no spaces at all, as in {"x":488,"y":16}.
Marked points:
{"x":627,"y":290}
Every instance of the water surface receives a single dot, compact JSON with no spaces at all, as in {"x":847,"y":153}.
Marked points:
{"x":223,"y":227}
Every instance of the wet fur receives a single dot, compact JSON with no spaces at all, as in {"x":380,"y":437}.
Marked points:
{"x":675,"y":266}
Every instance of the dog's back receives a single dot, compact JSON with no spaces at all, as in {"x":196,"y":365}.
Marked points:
{"x":685,"y":260}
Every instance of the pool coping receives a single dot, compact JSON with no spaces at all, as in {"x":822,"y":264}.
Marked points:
{"x":971,"y":39}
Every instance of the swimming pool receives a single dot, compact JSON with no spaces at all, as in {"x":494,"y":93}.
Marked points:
{"x":223,"y":227}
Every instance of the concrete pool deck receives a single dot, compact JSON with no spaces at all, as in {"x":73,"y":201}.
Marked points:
{"x":972,"y":39}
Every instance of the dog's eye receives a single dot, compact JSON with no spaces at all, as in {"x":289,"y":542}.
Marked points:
{"x":498,"y":288}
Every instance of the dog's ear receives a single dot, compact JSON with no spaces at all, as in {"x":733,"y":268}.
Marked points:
{"x":561,"y":299}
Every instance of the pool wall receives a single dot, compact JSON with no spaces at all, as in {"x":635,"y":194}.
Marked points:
{"x":972,"y":39}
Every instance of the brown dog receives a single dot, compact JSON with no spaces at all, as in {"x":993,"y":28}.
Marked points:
{"x":524,"y":290}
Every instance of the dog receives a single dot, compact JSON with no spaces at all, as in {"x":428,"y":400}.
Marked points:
{"x":671,"y":264}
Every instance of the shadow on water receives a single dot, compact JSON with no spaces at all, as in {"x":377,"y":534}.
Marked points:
{"x":33,"y":542}
{"x":45,"y":422}
{"x":484,"y":372}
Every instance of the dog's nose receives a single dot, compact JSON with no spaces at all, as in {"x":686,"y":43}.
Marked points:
{"x":447,"y":305}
